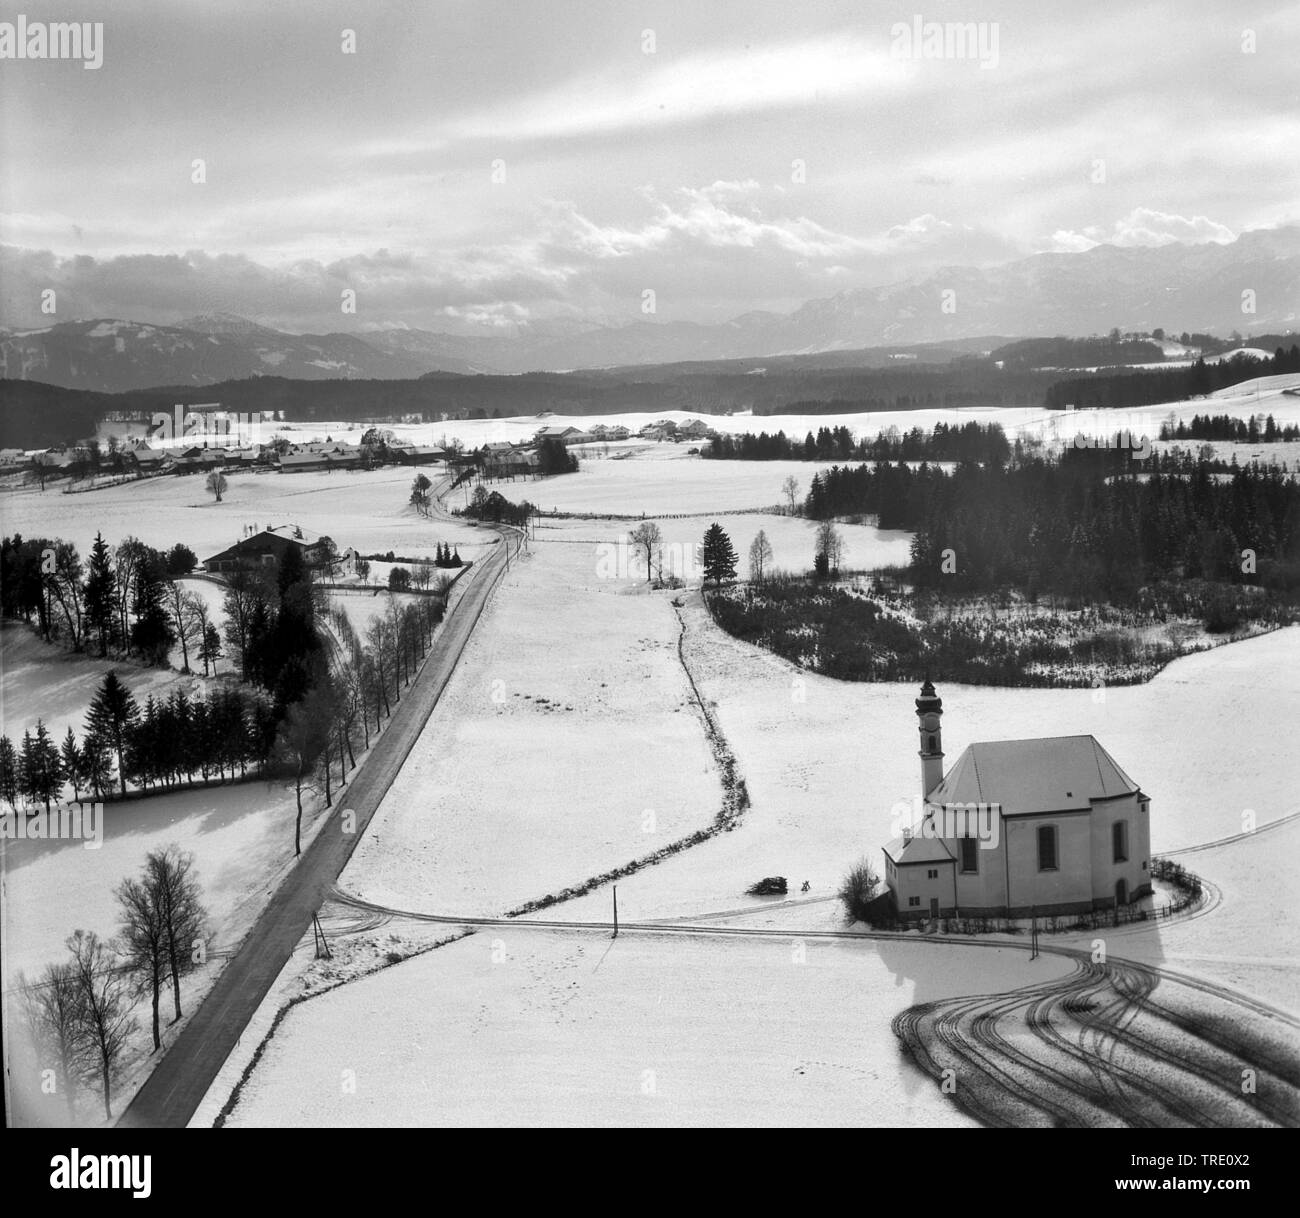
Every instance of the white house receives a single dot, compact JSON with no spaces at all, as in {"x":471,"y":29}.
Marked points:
{"x":1019,"y":827}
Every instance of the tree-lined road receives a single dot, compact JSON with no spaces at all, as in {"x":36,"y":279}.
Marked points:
{"x":177,"y":1086}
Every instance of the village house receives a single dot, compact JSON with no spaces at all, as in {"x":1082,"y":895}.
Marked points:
{"x":319,"y":455}
{"x":265,"y":547}
{"x":566,"y":435}
{"x":416,"y":454}
{"x":1019,"y":827}
{"x":147,"y":460}
{"x":512,"y":463}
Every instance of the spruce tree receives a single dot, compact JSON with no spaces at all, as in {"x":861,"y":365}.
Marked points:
{"x":101,"y":593}
{"x":112,"y":714}
{"x":719,"y":555}
{"x":151,"y":632}
{"x":71,"y":758}
{"x":45,"y":768}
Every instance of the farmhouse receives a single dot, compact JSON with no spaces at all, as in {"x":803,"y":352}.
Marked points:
{"x":318,"y":456}
{"x":416,"y":454}
{"x":513,"y":463}
{"x":297,"y":463}
{"x":198,"y":460}
{"x":566,"y":435}
{"x":265,"y":548}
{"x":148,"y":460}
{"x":1019,"y":827}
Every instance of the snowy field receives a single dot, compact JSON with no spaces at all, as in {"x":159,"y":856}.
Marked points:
{"x":527,"y":1027}
{"x":825,"y":761}
{"x":605,"y":549}
{"x":665,"y":478}
{"x":1251,"y":939}
{"x":566,"y":743}
{"x":241,"y":835}
{"x":364,"y":509}
{"x":1262,"y":395}
{"x":44,"y":681}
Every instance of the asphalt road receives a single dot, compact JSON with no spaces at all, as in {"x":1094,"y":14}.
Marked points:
{"x":177,"y":1086}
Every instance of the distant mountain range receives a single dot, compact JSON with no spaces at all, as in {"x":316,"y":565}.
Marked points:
{"x":1179,"y":287}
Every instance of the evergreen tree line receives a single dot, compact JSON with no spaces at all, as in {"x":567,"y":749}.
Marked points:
{"x":160,"y":745}
{"x":1070,"y":526}
{"x":1256,"y":429}
{"x":966,"y":442}
{"x":1150,"y":388}
{"x":80,"y":1011}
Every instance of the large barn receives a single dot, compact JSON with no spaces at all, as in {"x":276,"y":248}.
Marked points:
{"x":1019,"y":827}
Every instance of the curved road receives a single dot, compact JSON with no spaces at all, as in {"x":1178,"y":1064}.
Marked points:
{"x":178,"y":1084}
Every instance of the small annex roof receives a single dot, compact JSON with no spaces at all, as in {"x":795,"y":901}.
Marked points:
{"x":917,"y":849}
{"x":1054,"y":774}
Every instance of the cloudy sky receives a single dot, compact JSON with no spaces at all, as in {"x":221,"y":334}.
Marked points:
{"x":475,"y":163}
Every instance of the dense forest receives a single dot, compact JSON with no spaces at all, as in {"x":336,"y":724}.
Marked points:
{"x":1084,"y":569}
{"x":1094,"y":523}
{"x":967,"y":442}
{"x":1255,"y":430}
{"x":1150,"y":388}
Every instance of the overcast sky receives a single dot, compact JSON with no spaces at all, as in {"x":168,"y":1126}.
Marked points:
{"x":623,"y":170}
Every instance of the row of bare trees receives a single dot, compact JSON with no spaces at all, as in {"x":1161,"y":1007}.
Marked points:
{"x":80,"y":1010}
{"x":349,"y":700}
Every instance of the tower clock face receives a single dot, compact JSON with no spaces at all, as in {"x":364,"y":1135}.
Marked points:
{"x":930,"y":722}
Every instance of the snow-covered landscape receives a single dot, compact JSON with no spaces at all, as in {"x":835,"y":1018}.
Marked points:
{"x":728,"y":566}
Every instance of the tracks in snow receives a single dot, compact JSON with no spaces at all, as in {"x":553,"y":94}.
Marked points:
{"x":1116,"y":1044}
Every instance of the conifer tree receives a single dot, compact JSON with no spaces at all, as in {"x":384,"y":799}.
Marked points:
{"x":719,"y":555}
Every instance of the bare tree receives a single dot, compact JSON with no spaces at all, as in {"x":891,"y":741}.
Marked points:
{"x":217,"y":484}
{"x":646,"y":536}
{"x":128,"y":557}
{"x":169,"y":875}
{"x":830,"y":543}
{"x":64,"y":585}
{"x":104,"y":1020}
{"x":790,"y":489}
{"x":53,"y":1015}
{"x":144,"y":941}
{"x":183,"y":611}
{"x":304,"y":736}
{"x":760,"y":556}
{"x":202,"y":621}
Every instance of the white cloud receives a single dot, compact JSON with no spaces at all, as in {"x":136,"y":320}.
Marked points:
{"x":1144,"y":226}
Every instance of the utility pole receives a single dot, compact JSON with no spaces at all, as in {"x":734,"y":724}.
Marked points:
{"x":615,"y":934}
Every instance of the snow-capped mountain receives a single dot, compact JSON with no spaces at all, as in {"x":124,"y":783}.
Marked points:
{"x":1209,"y":287}
{"x":111,"y":355}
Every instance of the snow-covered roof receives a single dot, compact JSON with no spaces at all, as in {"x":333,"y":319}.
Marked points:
{"x":917,"y":849}
{"x":1053,"y":774}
